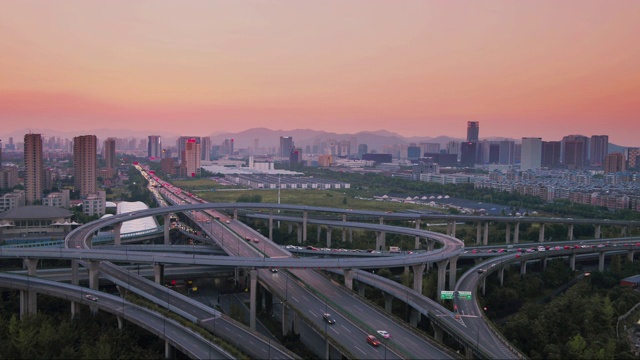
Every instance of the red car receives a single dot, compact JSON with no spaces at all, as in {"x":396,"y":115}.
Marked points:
{"x":373,"y":340}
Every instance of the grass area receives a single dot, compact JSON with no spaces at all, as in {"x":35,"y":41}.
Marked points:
{"x":329,"y":198}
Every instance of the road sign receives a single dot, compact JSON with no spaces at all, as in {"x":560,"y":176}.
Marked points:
{"x":446,"y":295}
{"x":464,"y":295}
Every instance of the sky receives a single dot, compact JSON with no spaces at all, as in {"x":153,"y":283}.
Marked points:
{"x":417,"y":68}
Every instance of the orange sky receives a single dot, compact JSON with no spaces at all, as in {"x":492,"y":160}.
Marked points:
{"x":521,"y":68}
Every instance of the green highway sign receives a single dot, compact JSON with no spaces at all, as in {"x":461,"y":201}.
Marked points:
{"x":446,"y":295}
{"x":464,"y":295}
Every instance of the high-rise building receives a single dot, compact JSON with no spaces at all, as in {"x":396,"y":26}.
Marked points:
{"x":551,"y":154}
{"x":614,"y":163}
{"x":431,"y":148}
{"x":507,"y":152}
{"x":85,"y":163}
{"x":413,"y":152}
{"x":362,"y":149}
{"x":598,"y":149}
{"x":109,"y":155}
{"x":286,"y":144}
{"x":494,"y":152}
{"x":154,"y":147}
{"x":574,"y":151}
{"x":227,"y":147}
{"x":468,"y":153}
{"x":206,"y":148}
{"x":295,"y":156}
{"x":633,"y":157}
{"x":191,"y":157}
{"x":34,"y":167}
{"x":453,"y":147}
{"x":181,"y":144}
{"x":531,"y":154}
{"x":473,"y":131}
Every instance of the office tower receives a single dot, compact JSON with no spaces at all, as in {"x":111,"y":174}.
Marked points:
{"x":286,"y":143}
{"x":531,"y":154}
{"x":468,"y":153}
{"x":598,"y":149}
{"x":614,"y":163}
{"x":362,"y":149}
{"x":473,"y":131}
{"x":453,"y":147}
{"x":494,"y":152}
{"x":154,"y":147}
{"x":191,"y":157}
{"x":551,"y":154}
{"x":633,"y":157}
{"x":206,"y":148}
{"x":34,"y":168}
{"x":344,"y":148}
{"x":507,"y":152}
{"x":227,"y":147}
{"x":574,"y":151}
{"x":109,"y":154}
{"x":431,"y":148}
{"x":181,"y":144}
{"x":85,"y":163}
{"x":295,"y":156}
{"x":413,"y":152}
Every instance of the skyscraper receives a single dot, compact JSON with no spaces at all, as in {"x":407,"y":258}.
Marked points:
{"x":473,"y":131}
{"x":34,"y":169}
{"x":181,"y":144}
{"x":286,"y":144}
{"x":191,"y":157}
{"x":598,"y":149}
{"x":574,"y":151}
{"x":206,"y":148}
{"x":551,"y":154}
{"x":109,"y":155}
{"x":614,"y":163}
{"x":531,"y":154}
{"x":154,"y":147}
{"x":633,"y":157}
{"x":227,"y":147}
{"x":85,"y":164}
{"x":507,"y":152}
{"x":468,"y":153}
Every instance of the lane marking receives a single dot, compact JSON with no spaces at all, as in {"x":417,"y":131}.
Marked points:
{"x":344,"y":327}
{"x":294,"y":298}
{"x":360,"y":349}
{"x":312,"y":313}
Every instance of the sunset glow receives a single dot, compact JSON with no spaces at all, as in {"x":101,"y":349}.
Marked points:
{"x":521,"y":68}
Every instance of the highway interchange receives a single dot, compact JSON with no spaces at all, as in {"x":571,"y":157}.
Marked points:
{"x":306,"y":291}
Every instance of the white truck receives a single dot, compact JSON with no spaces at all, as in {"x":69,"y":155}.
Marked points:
{"x":394,"y":249}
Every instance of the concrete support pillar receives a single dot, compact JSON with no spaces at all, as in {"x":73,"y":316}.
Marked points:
{"x":483,"y":286}
{"x":523,"y":267}
{"x":598,"y":233}
{"x":271,"y":224}
{"x":116,"y":234}
{"x":29,"y":299}
{"x":380,"y":240}
{"x":158,"y":273}
{"x":304,"y":226}
{"x":348,"y":278}
{"x":167,"y":227}
{"x":289,"y":228}
{"x":501,"y":276}
{"x":623,"y":231}
{"x":601,"y":261}
{"x":430,"y":244}
{"x":344,"y":229}
{"x":418,"y":271}
{"x":252,"y":294}
{"x":468,"y":352}
{"x":168,"y":350}
{"x":120,"y":322}
{"x":437,"y":333}
{"x":388,"y":302}
{"x":329,"y":236}
{"x":541,"y":234}
{"x":296,"y":323}
{"x":453,"y":269}
{"x":235,"y":214}
{"x":449,"y":227}
{"x":516,"y":233}
{"x":350,"y":235}
{"x":442,"y":273}
{"x":285,"y":324}
{"x":414,"y":317}
{"x":508,"y":233}
{"x":361,"y":288}
{"x":299,"y":233}
{"x":417,"y":242}
{"x":478,"y":233}
{"x":319,"y":227}
{"x":570,"y":232}
{"x":630,"y":255}
{"x":485,"y":238}
{"x":545,"y":260}
{"x":75,"y":280}
{"x":93,"y":274}
{"x":453,"y":229}
{"x":572,"y":262}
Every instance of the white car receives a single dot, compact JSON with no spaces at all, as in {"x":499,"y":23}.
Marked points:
{"x":384,"y":334}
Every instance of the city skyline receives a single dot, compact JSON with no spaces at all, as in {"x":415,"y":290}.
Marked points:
{"x":522,"y":69}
